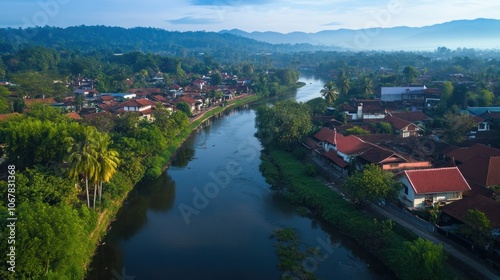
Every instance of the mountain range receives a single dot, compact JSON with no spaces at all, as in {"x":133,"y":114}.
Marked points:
{"x":478,"y":33}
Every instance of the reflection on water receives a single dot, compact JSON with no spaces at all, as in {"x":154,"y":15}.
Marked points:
{"x":227,"y":236}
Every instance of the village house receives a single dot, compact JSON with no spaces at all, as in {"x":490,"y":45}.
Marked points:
{"x":455,"y":213}
{"x":369,"y":109}
{"x":480,"y":165}
{"x":351,"y":150}
{"x":402,"y":93}
{"x":402,"y":127}
{"x":426,"y":187}
{"x":143,"y":106}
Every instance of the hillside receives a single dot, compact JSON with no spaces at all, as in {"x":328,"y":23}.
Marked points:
{"x":223,"y":46}
{"x":478,"y":33}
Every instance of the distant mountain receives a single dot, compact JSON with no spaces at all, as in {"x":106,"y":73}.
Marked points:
{"x":223,"y":46}
{"x":478,"y":33}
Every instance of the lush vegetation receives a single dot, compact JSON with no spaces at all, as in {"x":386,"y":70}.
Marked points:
{"x":372,"y":184}
{"x":283,"y":124}
{"x":65,"y":168}
{"x":393,"y":245}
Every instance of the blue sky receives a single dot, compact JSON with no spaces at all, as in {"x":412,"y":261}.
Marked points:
{"x":248,"y":15}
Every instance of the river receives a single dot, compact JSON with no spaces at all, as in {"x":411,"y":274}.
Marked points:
{"x":210,"y":216}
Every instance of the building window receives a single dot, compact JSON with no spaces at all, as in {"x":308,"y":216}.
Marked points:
{"x":406,"y":190}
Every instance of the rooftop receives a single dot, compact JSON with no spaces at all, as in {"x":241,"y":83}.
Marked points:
{"x":436,"y":180}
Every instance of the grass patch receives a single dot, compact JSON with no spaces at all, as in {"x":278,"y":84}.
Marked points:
{"x":382,"y":238}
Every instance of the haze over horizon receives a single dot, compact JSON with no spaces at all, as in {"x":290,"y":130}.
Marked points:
{"x":248,"y":15}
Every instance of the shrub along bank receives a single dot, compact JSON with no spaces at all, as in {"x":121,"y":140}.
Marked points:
{"x":406,"y":256}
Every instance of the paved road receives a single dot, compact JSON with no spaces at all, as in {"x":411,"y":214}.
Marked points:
{"x":470,"y":262}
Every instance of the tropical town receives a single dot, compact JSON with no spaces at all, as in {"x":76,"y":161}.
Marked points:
{"x":317,"y":165}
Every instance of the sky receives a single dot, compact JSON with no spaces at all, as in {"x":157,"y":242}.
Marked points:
{"x":248,"y":15}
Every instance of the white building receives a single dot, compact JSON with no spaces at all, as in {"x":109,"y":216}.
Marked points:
{"x":426,"y":187}
{"x":402,"y":93}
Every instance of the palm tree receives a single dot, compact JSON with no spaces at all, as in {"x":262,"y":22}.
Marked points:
{"x":367,"y":86}
{"x":107,"y":161}
{"x":82,"y":157}
{"x":343,"y":83}
{"x":329,"y":92}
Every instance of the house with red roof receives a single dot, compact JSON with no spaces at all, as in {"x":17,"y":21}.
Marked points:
{"x":426,"y":187}
{"x":143,"y":106}
{"x":480,"y":165}
{"x":353,"y":149}
{"x":402,"y":127}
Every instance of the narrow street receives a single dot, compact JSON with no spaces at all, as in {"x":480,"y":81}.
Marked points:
{"x":468,"y":261}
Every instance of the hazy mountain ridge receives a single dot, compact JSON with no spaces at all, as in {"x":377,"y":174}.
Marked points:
{"x":478,"y":33}
{"x":224,"y":46}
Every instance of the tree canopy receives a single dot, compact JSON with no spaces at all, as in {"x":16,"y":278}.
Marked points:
{"x":283,"y":124}
{"x":372,"y":184}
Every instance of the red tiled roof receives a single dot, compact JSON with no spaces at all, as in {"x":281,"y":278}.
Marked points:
{"x":107,"y":97}
{"x":375,"y":106}
{"x":73,"y":115}
{"x":32,"y":101}
{"x":146,"y":112}
{"x":351,"y":145}
{"x":160,"y":98}
{"x":464,"y":154}
{"x":175,"y":86}
{"x":491,"y":115}
{"x":137,"y":103}
{"x":324,"y":134}
{"x":397,"y":123}
{"x":489,"y":207}
{"x":377,"y":155}
{"x":310,"y":143}
{"x":189,"y":100}
{"x":484,"y":171}
{"x":332,"y":155}
{"x":436,"y":180}
{"x":478,"y":119}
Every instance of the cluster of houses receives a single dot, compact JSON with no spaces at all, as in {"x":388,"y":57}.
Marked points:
{"x":199,"y":94}
{"x":431,"y":171}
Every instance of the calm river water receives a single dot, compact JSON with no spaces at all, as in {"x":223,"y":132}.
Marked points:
{"x":211,"y":214}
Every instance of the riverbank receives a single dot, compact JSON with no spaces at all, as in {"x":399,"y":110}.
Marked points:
{"x":106,"y":217}
{"x":382,"y":238}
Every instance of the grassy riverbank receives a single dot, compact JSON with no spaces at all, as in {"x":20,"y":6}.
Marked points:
{"x":120,"y":187}
{"x":383,"y":239}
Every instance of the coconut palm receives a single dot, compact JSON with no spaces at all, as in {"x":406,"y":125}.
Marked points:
{"x":329,"y":92}
{"x":367,"y":86}
{"x":107,"y":161}
{"x":343,"y":82}
{"x":82,"y":157}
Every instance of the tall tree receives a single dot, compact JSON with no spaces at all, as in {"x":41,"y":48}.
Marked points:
{"x":107,"y":162}
{"x":372,"y":184}
{"x":457,"y":126}
{"x":284,"y":124}
{"x":410,"y":73}
{"x":343,"y":82}
{"x":423,"y":260}
{"x":329,"y":92}
{"x":477,"y":228}
{"x":82,"y":157}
